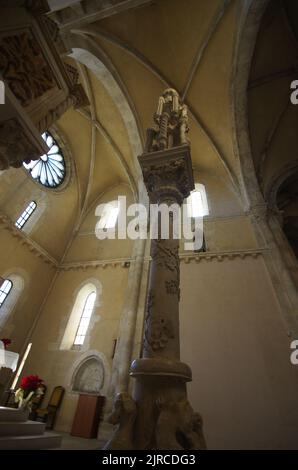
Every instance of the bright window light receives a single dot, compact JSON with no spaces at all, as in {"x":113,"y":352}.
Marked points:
{"x":26,"y":215}
{"x":49,"y":169}
{"x":85,"y":319}
{"x":197,"y":205}
{"x":5,"y":289}
{"x":110,"y":215}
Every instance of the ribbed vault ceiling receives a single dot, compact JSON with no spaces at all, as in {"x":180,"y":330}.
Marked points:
{"x":185,"y":45}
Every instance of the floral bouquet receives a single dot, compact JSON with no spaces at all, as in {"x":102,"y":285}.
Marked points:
{"x":30,"y":387}
{"x":6,"y":342}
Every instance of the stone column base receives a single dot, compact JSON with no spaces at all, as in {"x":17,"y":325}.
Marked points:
{"x":165,"y":418}
{"x":159,"y":416}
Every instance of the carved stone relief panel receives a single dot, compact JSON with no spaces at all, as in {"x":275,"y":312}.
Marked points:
{"x":24,"y":67}
{"x":89,"y":377}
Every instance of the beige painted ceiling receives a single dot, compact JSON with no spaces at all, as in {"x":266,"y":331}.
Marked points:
{"x":188,"y":45}
{"x":273,"y":119}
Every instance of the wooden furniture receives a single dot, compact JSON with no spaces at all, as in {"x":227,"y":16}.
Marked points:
{"x":36,"y":403}
{"x":48,"y":415}
{"x":87,"y":417}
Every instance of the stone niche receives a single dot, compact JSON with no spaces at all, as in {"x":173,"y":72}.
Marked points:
{"x":89,"y":376}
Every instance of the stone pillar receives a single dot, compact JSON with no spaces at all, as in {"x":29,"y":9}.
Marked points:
{"x":280,"y":263}
{"x":165,"y":419}
{"x":125,"y":343}
{"x":160,"y":416}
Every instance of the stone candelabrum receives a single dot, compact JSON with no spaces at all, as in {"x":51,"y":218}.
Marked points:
{"x":160,"y":416}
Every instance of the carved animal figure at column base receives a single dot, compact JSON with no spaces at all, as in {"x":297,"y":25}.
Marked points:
{"x":179,"y":427}
{"x":124,"y":414}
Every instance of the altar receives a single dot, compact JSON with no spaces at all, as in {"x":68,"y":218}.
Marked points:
{"x":8,"y":359}
{"x":8,"y":365}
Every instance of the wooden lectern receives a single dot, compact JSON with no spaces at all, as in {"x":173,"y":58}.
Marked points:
{"x":87,"y":417}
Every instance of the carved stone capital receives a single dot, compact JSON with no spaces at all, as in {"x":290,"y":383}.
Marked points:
{"x":79,"y":96}
{"x":168,"y":174}
{"x":259,"y":212}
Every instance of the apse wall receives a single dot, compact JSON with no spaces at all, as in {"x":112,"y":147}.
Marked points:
{"x":105,"y":264}
{"x":56,"y":366}
{"x":23,"y":260}
{"x":234,"y":339}
{"x":86,"y":246}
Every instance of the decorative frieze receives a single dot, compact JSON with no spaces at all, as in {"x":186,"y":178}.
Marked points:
{"x":164,"y":419}
{"x":83,"y":265}
{"x":222,"y":255}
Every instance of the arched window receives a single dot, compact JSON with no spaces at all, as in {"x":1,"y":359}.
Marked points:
{"x":5,"y":288}
{"x":109,"y":215}
{"x":10,"y":291}
{"x":197,"y":204}
{"x":85,"y":319}
{"x":49,"y":169}
{"x":80,"y":317}
{"x":26,"y":214}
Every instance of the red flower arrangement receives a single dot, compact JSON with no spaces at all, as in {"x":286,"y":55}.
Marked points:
{"x":30,"y":387}
{"x":31,"y":383}
{"x":6,"y":342}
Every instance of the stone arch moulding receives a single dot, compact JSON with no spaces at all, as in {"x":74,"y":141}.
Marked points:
{"x":83,"y":51}
{"x":78,"y":365}
{"x":277,"y":182}
{"x":250,"y":16}
{"x":267,"y":228}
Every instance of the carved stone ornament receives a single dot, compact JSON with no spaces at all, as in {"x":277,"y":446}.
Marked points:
{"x":24,"y":67}
{"x":172,"y":287}
{"x":89,"y":377}
{"x":171,"y":123}
{"x":178,"y":426}
{"x":164,"y":418}
{"x":168,"y":174}
{"x":166,"y":256}
{"x":123,"y":416}
{"x":15,"y":147}
{"x":158,"y":328}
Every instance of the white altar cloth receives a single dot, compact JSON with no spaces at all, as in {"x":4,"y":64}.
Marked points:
{"x":8,"y":358}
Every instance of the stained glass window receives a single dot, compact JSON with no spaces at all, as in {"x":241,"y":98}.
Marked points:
{"x":49,"y":169}
{"x":26,"y":215}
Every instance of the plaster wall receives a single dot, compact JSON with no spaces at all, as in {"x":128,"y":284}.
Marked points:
{"x":234,"y":339}
{"x":18,"y":259}
{"x":56,"y":366}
